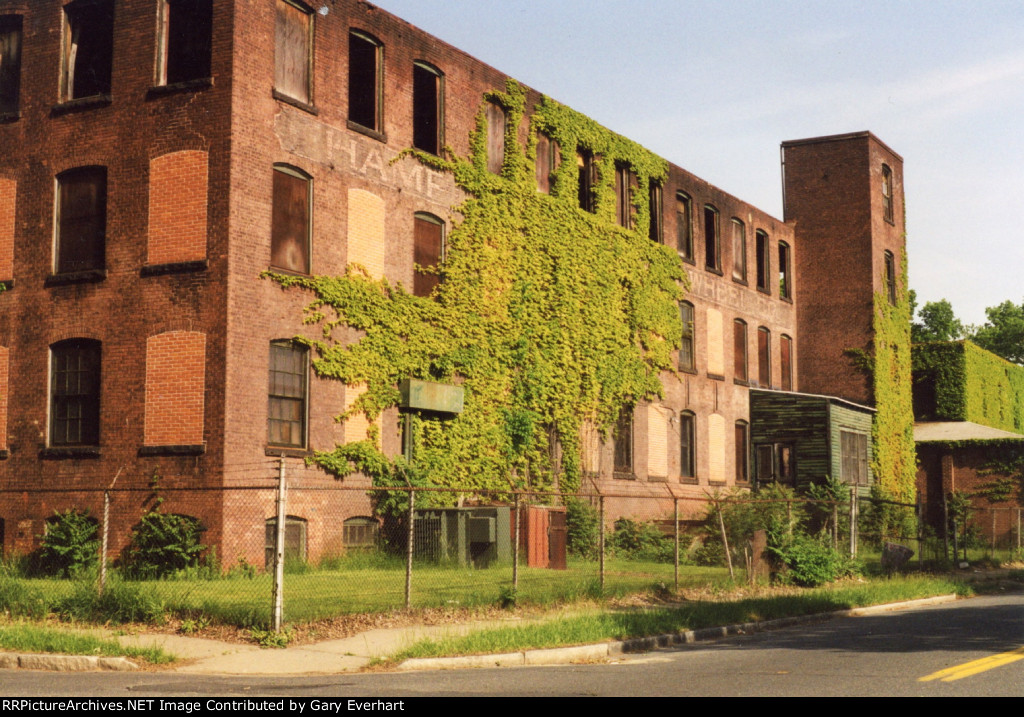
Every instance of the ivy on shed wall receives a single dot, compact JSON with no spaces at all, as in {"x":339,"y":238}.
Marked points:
{"x":549,"y":316}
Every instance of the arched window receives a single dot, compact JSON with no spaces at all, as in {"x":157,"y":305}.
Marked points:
{"x":739,"y":251}
{"x":365,"y":88}
{"x":712,"y":244}
{"x":428,"y":253}
{"x":887,"y":203}
{"x":764,"y":357}
{"x":360,"y":532}
{"x":292,"y":219}
{"x":785,"y":282}
{"x":294,"y":540}
{"x":427,"y":107}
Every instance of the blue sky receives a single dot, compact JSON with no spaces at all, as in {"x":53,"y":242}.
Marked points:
{"x":715,"y":87}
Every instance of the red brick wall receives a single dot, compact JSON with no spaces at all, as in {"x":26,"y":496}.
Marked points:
{"x":175,"y":388}
{"x":177,"y":207}
{"x":8,"y":203}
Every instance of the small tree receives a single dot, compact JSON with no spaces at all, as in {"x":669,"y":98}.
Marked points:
{"x":70,"y":544}
{"x":161,"y":544}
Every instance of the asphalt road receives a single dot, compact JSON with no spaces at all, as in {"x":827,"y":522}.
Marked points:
{"x":893,"y":654}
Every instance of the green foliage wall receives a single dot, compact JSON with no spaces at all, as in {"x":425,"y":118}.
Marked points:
{"x":548,"y":315}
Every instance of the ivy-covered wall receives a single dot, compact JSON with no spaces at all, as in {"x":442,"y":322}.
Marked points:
{"x":548,"y":315}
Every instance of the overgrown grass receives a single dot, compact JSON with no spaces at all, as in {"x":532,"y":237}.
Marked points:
{"x":22,"y":637}
{"x":603,"y":625}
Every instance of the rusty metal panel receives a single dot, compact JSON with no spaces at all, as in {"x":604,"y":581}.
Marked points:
{"x":428,"y":396}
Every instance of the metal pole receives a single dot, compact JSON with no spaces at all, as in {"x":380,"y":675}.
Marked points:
{"x":408,"y":550}
{"x":279,"y":550}
{"x":601,"y":539}
{"x":675,"y":503}
{"x":993,"y":532}
{"x":103,"y":545}
{"x":835,"y":525}
{"x":853,"y":522}
{"x":1018,"y":530}
{"x":945,"y":526}
{"x":725,"y":541}
{"x":515,"y":551}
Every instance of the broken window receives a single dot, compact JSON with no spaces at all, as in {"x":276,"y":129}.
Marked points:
{"x":75,"y":393}
{"x":739,"y":347}
{"x":890,"y":277}
{"x":185,"y":40}
{"x":88,"y":48}
{"x":854,"y":448}
{"x":547,"y":162}
{"x":365,"y":90}
{"x":428,"y":253}
{"x":687,"y":361}
{"x":286,"y":414}
{"x":763,"y":261}
{"x":427,"y":107}
{"x":81,"y":220}
{"x":587,"y":179}
{"x":742,"y":452}
{"x":624,"y":181}
{"x":10,"y":64}
{"x":654,"y":197}
{"x":622,"y":437}
{"x":785,"y":283}
{"x":293,"y":56}
{"x":290,"y":222}
{"x":887,"y":209}
{"x":764,"y":357}
{"x":739,"y":251}
{"x":495,"y":137}
{"x":684,"y":231}
{"x":687,"y":445}
{"x":786,"y":357}
{"x":712,"y":259}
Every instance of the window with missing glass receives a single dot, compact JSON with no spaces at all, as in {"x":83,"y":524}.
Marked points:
{"x":365,"y":87}
{"x":739,"y":251}
{"x":427,"y":107}
{"x":684,"y":229}
{"x":185,"y":41}
{"x":10,"y":64}
{"x":88,"y":49}
{"x":712,"y":244}
{"x":687,"y":446}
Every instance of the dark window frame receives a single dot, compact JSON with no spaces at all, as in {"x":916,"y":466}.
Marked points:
{"x":687,"y":447}
{"x":185,"y":41}
{"x":739,"y":251}
{"x":87,"y":63}
{"x":764,"y":356}
{"x":80,"y":237}
{"x":427,"y":107}
{"x":775,"y":463}
{"x":586,"y":165}
{"x":75,"y":392}
{"x":11,"y":28}
{"x":741,"y":438}
{"x":546,"y":160}
{"x":281,"y":393}
{"x":890,"y":277}
{"x":655,"y":201}
{"x":425,"y":282}
{"x":762,"y":248}
{"x":740,"y":362}
{"x":786,"y":361}
{"x":496,"y":136}
{"x":622,"y":444}
{"x":625,"y":179}
{"x":684,"y":227}
{"x":279,"y":239}
{"x":785,"y":273}
{"x":712,"y":240}
{"x":365,"y":84}
{"x":687,"y":343}
{"x":887,"y":195}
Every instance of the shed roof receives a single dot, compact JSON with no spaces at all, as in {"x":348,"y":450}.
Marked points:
{"x":959,"y":431}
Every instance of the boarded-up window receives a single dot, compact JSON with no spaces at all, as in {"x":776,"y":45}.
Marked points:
{"x":185,"y":40}
{"x":547,"y":162}
{"x":294,"y":540}
{"x":81,"y":219}
{"x":855,"y":457}
{"x":75,"y":393}
{"x":786,"y":356}
{"x":687,"y":361}
{"x":684,"y":230}
{"x":712,"y":258}
{"x":10,"y":63}
{"x":624,"y":181}
{"x":293,"y":33}
{"x":785,"y":282}
{"x":739,"y":348}
{"x":427,"y":107}
{"x":716,"y":449}
{"x":764,"y":357}
{"x":587,"y":171}
{"x":428,"y":253}
{"x":763,"y":262}
{"x":739,"y":251}
{"x":716,"y":343}
{"x":289,"y":242}
{"x":655,"y":201}
{"x":622,"y":438}
{"x":88,"y":48}
{"x":742,"y":459}
{"x":365,"y":62}
{"x":887,"y":203}
{"x":657,"y":441}
{"x":687,"y":446}
{"x":495,"y":137}
{"x":890,"y":277}
{"x":286,"y":415}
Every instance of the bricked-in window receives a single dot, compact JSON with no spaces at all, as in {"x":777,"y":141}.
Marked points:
{"x":548,"y":158}
{"x":81,"y":220}
{"x":587,"y":174}
{"x":785,"y":281}
{"x":654,"y":200}
{"x":687,"y":445}
{"x":742,"y":452}
{"x":890,"y":277}
{"x":712,"y":243}
{"x":290,"y":230}
{"x":428,"y":253}
{"x":624,"y":181}
{"x":684,"y":228}
{"x":622,"y":439}
{"x":365,"y":74}
{"x":294,"y":540}
{"x":286,"y":416}
{"x":88,"y":48}
{"x":427,"y":107}
{"x":739,"y":251}
{"x":75,"y":393}
{"x":887,"y":203}
{"x":185,"y":40}
{"x":764,"y":357}
{"x":10,"y":63}
{"x":739,"y":350}
{"x":495,"y":137}
{"x":854,"y":447}
{"x":687,"y":357}
{"x":786,"y":356}
{"x":293,"y":51}
{"x":763,"y":261}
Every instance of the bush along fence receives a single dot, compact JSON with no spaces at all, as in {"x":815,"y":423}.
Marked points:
{"x":289,"y":550}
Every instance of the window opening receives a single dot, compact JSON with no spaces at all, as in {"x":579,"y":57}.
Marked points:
{"x":739,"y":251}
{"x":687,"y":358}
{"x":854,"y":448}
{"x":495,"y":137}
{"x":684,"y":231}
{"x":587,"y":179}
{"x":622,"y":438}
{"x":428,"y":253}
{"x":739,"y":335}
{"x":360,"y":532}
{"x":712,"y":260}
{"x":10,"y":64}
{"x":687,"y":445}
{"x":427,"y":108}
{"x":774,"y":463}
{"x":764,"y":357}
{"x":290,"y":223}
{"x":365,"y":92}
{"x":75,"y":393}
{"x":81,"y":220}
{"x":624,"y":180}
{"x":286,"y":417}
{"x":786,"y":350}
{"x":785,"y":285}
{"x":185,"y":40}
{"x":88,"y":48}
{"x":655,"y":201}
{"x":294,"y":540}
{"x":548,"y":158}
{"x":887,"y":202}
{"x":763,"y":261}
{"x":742,"y":459}
{"x":890,"y":277}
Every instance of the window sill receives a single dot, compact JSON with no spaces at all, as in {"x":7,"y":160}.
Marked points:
{"x":70,"y":452}
{"x":287,"y":451}
{"x":6,"y":117}
{"x":657,"y":479}
{"x":717,"y":483}
{"x":182,"y":450}
{"x":686,"y":259}
{"x":287,"y":272}
{"x":787,"y":299}
{"x":691,"y":371}
{"x":289,"y":100}
{"x":177,"y":267}
{"x":618,"y":475}
{"x":76,"y":277}
{"x":715,"y":377}
{"x":741,"y":382}
{"x":689,"y":480}
{"x":356,"y":127}
{"x":713,"y":270}
{"x":740,"y":282}
{"x":196,"y":85}
{"x":81,"y":103}
{"x":764,"y":291}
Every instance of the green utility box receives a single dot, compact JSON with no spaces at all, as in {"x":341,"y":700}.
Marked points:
{"x":476,"y":536}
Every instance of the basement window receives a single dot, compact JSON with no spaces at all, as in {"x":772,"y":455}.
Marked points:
{"x":712,"y":244}
{"x":684,"y":229}
{"x":495,"y":115}
{"x":890,"y":277}
{"x":427,"y":107}
{"x":739,"y":345}
{"x":81,"y":220}
{"x":785,"y":280}
{"x":75,"y":393}
{"x":286,"y":414}
{"x":10,"y":65}
{"x":625,"y":179}
{"x":763,"y":261}
{"x":428,"y":253}
{"x":88,"y":49}
{"x":739,"y":251}
{"x":291,"y":220}
{"x":764,"y":357}
{"x":587,"y":179}
{"x":655,"y":202}
{"x":365,"y":90}
{"x":185,"y":41}
{"x":294,"y":541}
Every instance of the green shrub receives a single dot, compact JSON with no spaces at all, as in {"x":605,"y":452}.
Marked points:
{"x":583,"y":528}
{"x":19,"y":600}
{"x":808,"y":561}
{"x":641,"y":541}
{"x":767,"y":510}
{"x":70,"y":545}
{"x":162,"y":544}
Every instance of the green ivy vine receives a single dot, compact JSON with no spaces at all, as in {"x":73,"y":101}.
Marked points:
{"x":549,"y":316}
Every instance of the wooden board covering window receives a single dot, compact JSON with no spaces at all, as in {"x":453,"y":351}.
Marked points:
{"x":428,"y":248}
{"x":291,"y":53}
{"x":786,"y":351}
{"x":739,"y":336}
{"x":495,"y":137}
{"x":764,"y":357}
{"x":289,"y":247}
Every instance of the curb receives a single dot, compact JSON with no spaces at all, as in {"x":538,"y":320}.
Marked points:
{"x":591,"y":653}
{"x":65,"y":663}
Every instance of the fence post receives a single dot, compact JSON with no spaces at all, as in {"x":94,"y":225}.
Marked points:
{"x":993,"y":554}
{"x":853,"y":521}
{"x":835,"y":525}
{"x":515,"y":551}
{"x":945,"y":526}
{"x":601,"y":541}
{"x":103,"y":544}
{"x":725,"y":539}
{"x":408,"y":550}
{"x":1018,"y":530}
{"x":279,"y":550}
{"x":675,"y":512}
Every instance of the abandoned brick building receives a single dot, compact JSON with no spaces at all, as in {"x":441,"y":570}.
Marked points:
{"x":159,"y":155}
